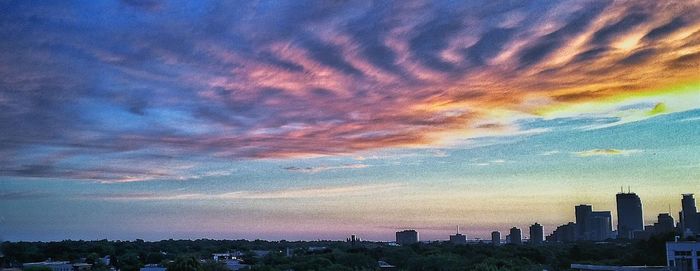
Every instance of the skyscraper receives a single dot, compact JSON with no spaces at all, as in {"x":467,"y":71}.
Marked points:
{"x":599,"y":226}
{"x":593,"y":226}
{"x":516,"y":236}
{"x":629,"y":215}
{"x":406,"y":237}
{"x":536,"y":234}
{"x":689,"y":215}
{"x":582,"y":213}
{"x":496,"y":238}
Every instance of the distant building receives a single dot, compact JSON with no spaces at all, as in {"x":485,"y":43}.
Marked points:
{"x":516,"y":236}
{"x":564,"y":233}
{"x":664,"y":224}
{"x":688,"y":216}
{"x":683,"y":256}
{"x":536,"y":234}
{"x":407,"y":237}
{"x":583,"y":212}
{"x":592,"y":226}
{"x":224,"y":256}
{"x":54,"y":265}
{"x":647,"y":233}
{"x":458,"y":238}
{"x":629,"y":215}
{"x":496,"y":238}
{"x":153,"y":267}
{"x":586,"y":267}
{"x":353,"y":240}
{"x":600,"y":226}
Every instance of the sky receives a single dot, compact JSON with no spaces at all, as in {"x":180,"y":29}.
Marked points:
{"x":305,"y":120}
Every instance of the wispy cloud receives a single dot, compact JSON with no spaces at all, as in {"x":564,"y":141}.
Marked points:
{"x":689,"y":119}
{"x":605,"y":152}
{"x":318,"y":169}
{"x":548,"y":153}
{"x":297,"y":193}
{"x":439,"y":153}
{"x":238,"y":85}
{"x":22,"y":195}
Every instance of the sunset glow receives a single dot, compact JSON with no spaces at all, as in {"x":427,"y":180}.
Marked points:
{"x":318,"y":119}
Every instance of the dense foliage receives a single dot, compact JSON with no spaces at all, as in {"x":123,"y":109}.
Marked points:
{"x":180,"y":255}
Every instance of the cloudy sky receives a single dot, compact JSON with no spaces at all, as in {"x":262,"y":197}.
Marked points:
{"x":319,"y":119}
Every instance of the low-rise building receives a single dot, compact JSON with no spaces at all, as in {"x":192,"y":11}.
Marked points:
{"x":225,"y":256}
{"x":153,"y":267}
{"x":54,"y":265}
{"x":586,"y":267}
{"x":683,"y":255}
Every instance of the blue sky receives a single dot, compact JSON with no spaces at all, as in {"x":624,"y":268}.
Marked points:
{"x":316,"y":120}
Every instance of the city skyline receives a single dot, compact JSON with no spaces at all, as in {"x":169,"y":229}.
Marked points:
{"x":308,"y":120}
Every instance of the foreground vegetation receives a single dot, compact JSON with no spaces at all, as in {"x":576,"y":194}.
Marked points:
{"x":188,"y":255}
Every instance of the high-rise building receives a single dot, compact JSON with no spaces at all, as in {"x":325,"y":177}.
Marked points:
{"x":458,"y":238}
{"x":536,"y":234}
{"x":690,"y":221}
{"x":406,"y":237}
{"x":592,"y":226}
{"x":582,"y":213}
{"x":599,"y":226}
{"x":665,"y":224}
{"x":516,"y":236}
{"x":629,"y":215}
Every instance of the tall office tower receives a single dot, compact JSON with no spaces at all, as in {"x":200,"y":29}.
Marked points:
{"x":496,"y":238}
{"x":582,"y":213}
{"x":406,"y":237}
{"x":599,"y":226}
{"x":665,"y":224}
{"x":629,"y":215}
{"x":689,"y":215}
{"x":516,"y":236}
{"x":536,"y":234}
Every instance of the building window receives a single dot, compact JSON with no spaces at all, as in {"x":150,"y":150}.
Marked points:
{"x":682,"y":253}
